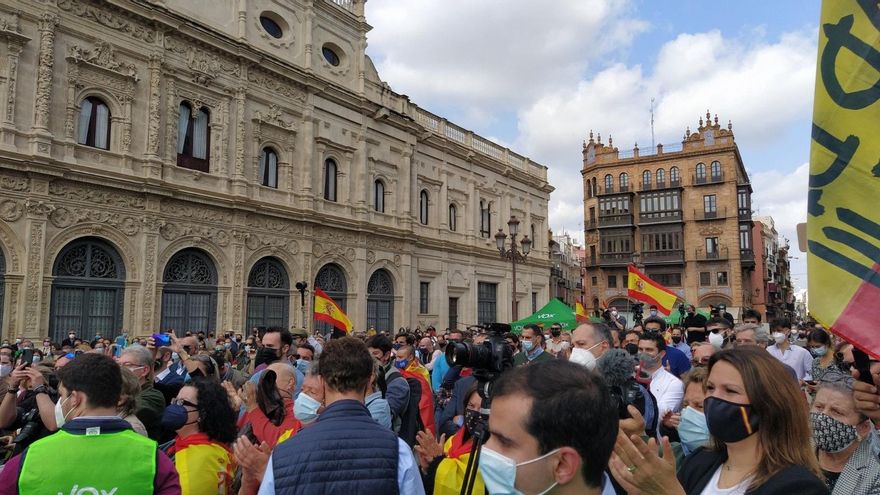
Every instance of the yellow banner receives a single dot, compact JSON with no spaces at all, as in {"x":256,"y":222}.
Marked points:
{"x":843,"y":224}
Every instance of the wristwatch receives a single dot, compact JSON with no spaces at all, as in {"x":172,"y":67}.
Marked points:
{"x":41,"y":389}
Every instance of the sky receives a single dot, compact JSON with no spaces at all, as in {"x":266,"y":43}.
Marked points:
{"x":537,"y":76}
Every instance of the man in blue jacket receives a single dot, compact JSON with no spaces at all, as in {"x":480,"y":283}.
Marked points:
{"x":345,"y":450}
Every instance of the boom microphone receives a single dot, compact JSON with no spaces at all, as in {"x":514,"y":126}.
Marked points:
{"x":616,"y":367}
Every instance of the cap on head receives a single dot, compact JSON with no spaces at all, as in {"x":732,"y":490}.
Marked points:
{"x":299,"y":332}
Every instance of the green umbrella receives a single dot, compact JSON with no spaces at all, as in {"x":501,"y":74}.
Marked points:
{"x":554,"y":311}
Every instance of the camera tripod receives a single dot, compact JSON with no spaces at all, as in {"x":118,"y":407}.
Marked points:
{"x":479,"y":430}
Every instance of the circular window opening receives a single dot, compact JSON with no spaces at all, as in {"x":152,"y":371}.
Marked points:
{"x":330,"y":56}
{"x":271,"y":27}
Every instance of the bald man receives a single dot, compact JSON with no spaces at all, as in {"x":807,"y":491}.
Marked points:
{"x":285,"y":378}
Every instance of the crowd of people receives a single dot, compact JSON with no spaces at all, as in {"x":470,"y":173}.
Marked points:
{"x":707,"y":406}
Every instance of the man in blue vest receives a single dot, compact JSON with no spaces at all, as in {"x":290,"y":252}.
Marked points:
{"x":91,"y":435}
{"x":345,"y":450}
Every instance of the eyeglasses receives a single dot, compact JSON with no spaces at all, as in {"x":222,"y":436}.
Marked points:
{"x":184,"y":402}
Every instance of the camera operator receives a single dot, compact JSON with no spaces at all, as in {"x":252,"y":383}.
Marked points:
{"x":532,"y":343}
{"x":29,"y":405}
{"x":615,"y":319}
{"x":552,"y":427}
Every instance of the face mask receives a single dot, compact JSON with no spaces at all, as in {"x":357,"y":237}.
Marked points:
{"x":5,"y":369}
{"x":305,"y":408}
{"x":632,"y":349}
{"x":60,"y":417}
{"x":424,"y":350}
{"x":729,"y":422}
{"x":830,"y":435}
{"x":716,"y":339}
{"x":71,"y":336}
{"x":401,"y":364}
{"x":396,"y":346}
{"x":265,"y":355}
{"x":584,"y":357}
{"x":37,"y":359}
{"x":99,"y":349}
{"x":648,"y":361}
{"x":819,"y":351}
{"x":676,"y":339}
{"x":227,"y":345}
{"x":303,"y":366}
{"x":779,"y":337}
{"x":692,"y":429}
{"x":499,"y":472}
{"x":175,"y":416}
{"x":555,"y":333}
{"x":175,"y":357}
{"x":238,"y":339}
{"x":18,"y":341}
{"x":527,"y":345}
{"x":653,"y":312}
{"x":471,"y":418}
{"x":614,"y":314}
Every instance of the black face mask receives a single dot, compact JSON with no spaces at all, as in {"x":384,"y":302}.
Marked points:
{"x":676,"y":339}
{"x":265,"y":355}
{"x":729,"y":422}
{"x":196,"y":373}
{"x":471,"y":418}
{"x":555,"y":332}
{"x":631,"y":348}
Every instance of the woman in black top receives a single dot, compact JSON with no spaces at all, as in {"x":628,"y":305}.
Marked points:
{"x":758,"y":421}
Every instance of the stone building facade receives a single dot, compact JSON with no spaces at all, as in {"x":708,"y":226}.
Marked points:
{"x":682,"y":214}
{"x":183,"y":163}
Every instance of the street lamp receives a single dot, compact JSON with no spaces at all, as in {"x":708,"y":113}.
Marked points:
{"x":302,"y":287}
{"x":513,"y":254}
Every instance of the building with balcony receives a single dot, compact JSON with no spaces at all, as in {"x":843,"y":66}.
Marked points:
{"x":566,"y":283}
{"x":182,"y":164}
{"x":765,"y":282}
{"x":682,"y":213}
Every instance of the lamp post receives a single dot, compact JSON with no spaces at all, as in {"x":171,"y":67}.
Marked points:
{"x":513,"y":254}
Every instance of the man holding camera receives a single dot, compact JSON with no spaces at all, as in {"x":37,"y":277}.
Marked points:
{"x":615,"y":319}
{"x":532,"y":343}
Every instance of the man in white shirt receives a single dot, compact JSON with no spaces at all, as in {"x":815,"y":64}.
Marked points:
{"x":795,"y":357}
{"x":666,"y":388}
{"x":555,"y":344}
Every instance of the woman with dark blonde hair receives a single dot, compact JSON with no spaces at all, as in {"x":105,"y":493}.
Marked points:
{"x":760,"y":437}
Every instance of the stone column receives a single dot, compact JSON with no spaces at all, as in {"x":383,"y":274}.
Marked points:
{"x":238,"y":277}
{"x":443,"y":207}
{"x":37,"y":214}
{"x":14,"y":51}
{"x":239,"y":179}
{"x":153,"y":165}
{"x":405,"y":196}
{"x":309,"y":161}
{"x":41,"y":142}
{"x":151,"y":305}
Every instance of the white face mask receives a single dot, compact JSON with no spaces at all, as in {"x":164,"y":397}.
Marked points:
{"x":499,"y":472}
{"x":305,"y":408}
{"x":779,"y":337}
{"x":5,"y":369}
{"x":584,"y":357}
{"x":60,"y":417}
{"x":716,"y":339}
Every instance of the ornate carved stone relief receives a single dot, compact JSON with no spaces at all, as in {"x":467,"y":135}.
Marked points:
{"x":46,"y":60}
{"x":93,"y":194}
{"x":107,"y":18}
{"x":276,"y":85}
{"x":63,"y":217}
{"x":265,"y":223}
{"x":206,"y":66}
{"x":255,"y":242}
{"x":179,"y":209}
{"x":17,"y":183}
{"x":10,"y":29}
{"x":172,"y":231}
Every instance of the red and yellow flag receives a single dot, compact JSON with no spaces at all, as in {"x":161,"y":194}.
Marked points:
{"x":328,"y":311}
{"x":642,"y":288}
{"x":843,"y":223}
{"x":580,"y":313}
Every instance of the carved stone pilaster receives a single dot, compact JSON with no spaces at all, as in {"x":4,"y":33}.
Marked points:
{"x":238,"y":290}
{"x":154,"y":103}
{"x":10,"y":29}
{"x":34,"y":277}
{"x":150,"y":295}
{"x":240,"y":102}
{"x":46,"y":62}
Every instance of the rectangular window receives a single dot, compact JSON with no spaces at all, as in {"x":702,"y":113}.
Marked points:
{"x":612,"y":281}
{"x":453,"y":312}
{"x":705,"y":279}
{"x":423,"y":297}
{"x":709,"y":204}
{"x":745,"y":237}
{"x":711,"y":246}
{"x":721,"y":279}
{"x":667,"y":279}
{"x":594,"y":281}
{"x":534,"y":302}
{"x":487,"y":302}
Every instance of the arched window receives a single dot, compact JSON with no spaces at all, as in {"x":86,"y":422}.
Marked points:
{"x":193,"y":138}
{"x":674,"y":176}
{"x":646,"y":179}
{"x":94,"y":123}
{"x":609,"y":183}
{"x":701,"y":171}
{"x":330,"y":171}
{"x":453,"y":217}
{"x":589,"y":188}
{"x":87,"y":290}
{"x":423,"y":207}
{"x":593,"y":183}
{"x":716,"y":169}
{"x":661,"y":177}
{"x":331,"y":280}
{"x":268,"y":295}
{"x":624,"y":181}
{"x":380,"y":301}
{"x":379,"y":196}
{"x":269,"y":168}
{"x":189,"y":297}
{"x":485,"y":219}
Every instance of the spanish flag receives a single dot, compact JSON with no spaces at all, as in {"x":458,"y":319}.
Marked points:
{"x":580,"y":313}
{"x":642,"y":288}
{"x":328,"y":311}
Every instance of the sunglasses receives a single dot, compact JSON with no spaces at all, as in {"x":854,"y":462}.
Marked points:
{"x":184,"y":402}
